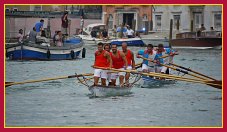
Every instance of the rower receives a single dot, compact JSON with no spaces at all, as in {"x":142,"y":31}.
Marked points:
{"x":119,"y":62}
{"x":130,"y":59}
{"x":107,"y":48}
{"x":148,"y":66}
{"x":102,"y":59}
{"x":161,"y":51}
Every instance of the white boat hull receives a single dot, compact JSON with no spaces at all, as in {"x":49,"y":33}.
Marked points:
{"x":88,"y":40}
{"x":100,"y":91}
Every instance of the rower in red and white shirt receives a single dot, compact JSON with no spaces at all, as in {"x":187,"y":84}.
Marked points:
{"x":102,"y":59}
{"x":130,"y":59}
{"x":107,"y":48}
{"x":119,"y":62}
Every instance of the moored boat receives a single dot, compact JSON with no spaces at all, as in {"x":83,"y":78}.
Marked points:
{"x":156,"y":41}
{"x":101,"y":91}
{"x":86,"y":34}
{"x":71,"y":49}
{"x":203,"y":40}
{"x":88,"y":40}
{"x":98,"y":28}
{"x":129,"y":41}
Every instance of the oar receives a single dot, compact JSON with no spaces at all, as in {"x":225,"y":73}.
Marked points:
{"x":47,"y":79}
{"x":215,"y":84}
{"x":192,"y":71}
{"x":165,"y":56}
{"x":185,"y":72}
{"x":138,"y":65}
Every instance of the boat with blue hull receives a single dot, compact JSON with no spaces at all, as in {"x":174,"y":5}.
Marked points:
{"x":71,"y":49}
{"x":129,"y":41}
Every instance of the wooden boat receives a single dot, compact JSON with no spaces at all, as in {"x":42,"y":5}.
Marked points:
{"x":149,"y":82}
{"x":101,"y":91}
{"x":156,"y":41}
{"x":71,"y":49}
{"x":205,"y":40}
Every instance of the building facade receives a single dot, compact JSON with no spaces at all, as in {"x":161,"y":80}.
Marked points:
{"x":138,"y":17}
{"x":187,"y":17}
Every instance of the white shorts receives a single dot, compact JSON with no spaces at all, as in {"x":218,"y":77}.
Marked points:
{"x":149,"y":68}
{"x":109,"y":77}
{"x":129,"y":68}
{"x":100,"y":73}
{"x":158,"y":69}
{"x":115,"y":75}
{"x":163,"y":69}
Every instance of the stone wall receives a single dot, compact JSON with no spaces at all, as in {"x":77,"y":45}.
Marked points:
{"x":12,"y":25}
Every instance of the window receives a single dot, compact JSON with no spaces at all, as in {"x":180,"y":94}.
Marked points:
{"x":198,"y":20}
{"x":38,"y":8}
{"x":176,"y":19}
{"x":217,"y":21}
{"x":145,"y":17}
{"x":110,"y":23}
{"x":15,"y":9}
{"x":158,"y":22}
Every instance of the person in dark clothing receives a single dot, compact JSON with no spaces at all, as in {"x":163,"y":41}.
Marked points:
{"x":65,"y":23}
{"x":93,"y":33}
{"x":43,"y":33}
{"x":105,"y":34}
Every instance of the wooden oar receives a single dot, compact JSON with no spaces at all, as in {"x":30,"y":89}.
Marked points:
{"x":165,"y":56}
{"x":185,"y":72}
{"x":193,"y":71}
{"x":215,"y":84}
{"x":47,"y":79}
{"x":138,"y":65}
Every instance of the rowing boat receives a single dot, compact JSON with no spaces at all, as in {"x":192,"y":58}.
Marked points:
{"x":149,"y":82}
{"x":104,"y":91}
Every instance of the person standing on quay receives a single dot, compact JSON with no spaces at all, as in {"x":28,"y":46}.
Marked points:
{"x":39,"y":26}
{"x":81,"y":25}
{"x":65,"y":23}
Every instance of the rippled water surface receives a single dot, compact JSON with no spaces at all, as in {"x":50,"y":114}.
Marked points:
{"x":67,"y":103}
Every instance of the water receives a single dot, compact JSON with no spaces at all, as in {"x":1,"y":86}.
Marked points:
{"x":66,"y":102}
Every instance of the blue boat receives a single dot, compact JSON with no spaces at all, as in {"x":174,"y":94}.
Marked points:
{"x":71,"y":49}
{"x":129,"y":41}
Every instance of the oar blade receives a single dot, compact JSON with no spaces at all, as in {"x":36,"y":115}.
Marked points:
{"x":216,"y":84}
{"x":8,"y":84}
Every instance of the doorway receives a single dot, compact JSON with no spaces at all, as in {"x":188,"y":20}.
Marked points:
{"x":198,"y":20}
{"x":128,"y":19}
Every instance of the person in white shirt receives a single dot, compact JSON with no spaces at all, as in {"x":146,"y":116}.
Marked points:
{"x":20,"y":36}
{"x":130,"y":32}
